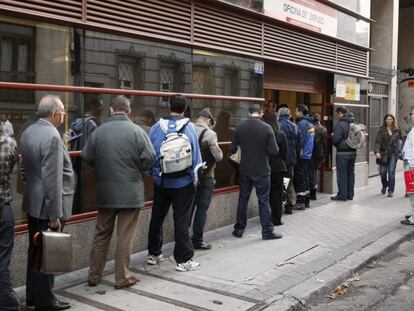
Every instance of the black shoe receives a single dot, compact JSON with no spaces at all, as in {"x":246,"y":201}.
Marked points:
{"x":336,"y":198}
{"x":406,"y":195}
{"x":407,"y":217}
{"x":237,"y":234}
{"x":279,"y":223}
{"x":383,"y":191}
{"x":307,"y":201}
{"x":92,"y":283}
{"x":272,"y":236}
{"x":390,"y":194}
{"x":56,"y":306}
{"x":288,"y":209}
{"x":406,"y":222}
{"x":203,"y":246}
{"x":312,"y":194}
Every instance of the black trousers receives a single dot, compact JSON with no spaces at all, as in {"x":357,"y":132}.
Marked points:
{"x":182,"y":203}
{"x":38,"y":285}
{"x":301,"y":180}
{"x":276,"y":196}
{"x":8,"y":298}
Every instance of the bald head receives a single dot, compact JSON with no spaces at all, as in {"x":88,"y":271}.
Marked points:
{"x":49,"y":104}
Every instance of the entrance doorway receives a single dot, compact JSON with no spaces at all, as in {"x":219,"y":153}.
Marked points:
{"x":314,"y":101}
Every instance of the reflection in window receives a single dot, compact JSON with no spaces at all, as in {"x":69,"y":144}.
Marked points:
{"x":127,"y":68}
{"x":203,"y":83}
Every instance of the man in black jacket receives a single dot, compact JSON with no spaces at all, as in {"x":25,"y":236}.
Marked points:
{"x":345,"y":156}
{"x":256,"y":140}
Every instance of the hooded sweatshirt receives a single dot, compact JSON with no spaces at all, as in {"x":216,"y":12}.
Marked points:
{"x":307,"y":129}
{"x":157,"y":135}
{"x":341,"y":132}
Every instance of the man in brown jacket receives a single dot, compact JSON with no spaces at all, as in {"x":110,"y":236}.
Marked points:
{"x":210,"y":153}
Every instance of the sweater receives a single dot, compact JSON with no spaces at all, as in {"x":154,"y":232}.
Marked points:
{"x":257,"y":142}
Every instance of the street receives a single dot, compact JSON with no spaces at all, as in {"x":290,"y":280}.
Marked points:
{"x":384,"y":285}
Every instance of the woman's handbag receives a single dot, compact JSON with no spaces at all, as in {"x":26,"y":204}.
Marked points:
{"x":384,"y":158}
{"x":55,"y":251}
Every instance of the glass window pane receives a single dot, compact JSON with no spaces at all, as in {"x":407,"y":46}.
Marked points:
{"x":6,"y":55}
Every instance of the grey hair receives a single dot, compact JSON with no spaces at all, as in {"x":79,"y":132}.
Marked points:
{"x":121,"y":103}
{"x":284,"y":111}
{"x":47,"y":105}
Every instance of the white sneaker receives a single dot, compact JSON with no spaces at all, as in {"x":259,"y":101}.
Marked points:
{"x":154,"y":260}
{"x":190,"y":265}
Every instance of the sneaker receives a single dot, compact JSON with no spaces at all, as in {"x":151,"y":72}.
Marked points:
{"x":390,"y":194}
{"x":154,"y":260}
{"x":190,"y":265}
{"x":406,"y":222}
{"x":299,"y":206}
{"x":288,"y":209}
{"x":383,"y":190}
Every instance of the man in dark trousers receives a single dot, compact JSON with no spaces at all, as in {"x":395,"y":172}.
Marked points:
{"x":8,"y":158}
{"x":345,"y":156}
{"x":301,"y":179}
{"x":176,"y":189}
{"x":47,"y":172}
{"x":257,"y":142}
{"x":210,"y":153}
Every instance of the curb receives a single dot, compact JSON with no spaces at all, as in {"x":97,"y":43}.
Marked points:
{"x":297,"y":297}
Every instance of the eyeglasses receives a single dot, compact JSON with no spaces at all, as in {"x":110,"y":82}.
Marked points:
{"x":60,"y":112}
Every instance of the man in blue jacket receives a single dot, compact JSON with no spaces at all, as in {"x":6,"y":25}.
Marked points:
{"x":294,"y":138}
{"x":301,"y":181}
{"x":178,"y":191}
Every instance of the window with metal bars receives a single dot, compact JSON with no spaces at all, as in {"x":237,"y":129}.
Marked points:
{"x":16,"y":61}
{"x":128,"y":68}
{"x":203,"y":83}
{"x":231,"y":81}
{"x":256,"y":85}
{"x":171,"y":79}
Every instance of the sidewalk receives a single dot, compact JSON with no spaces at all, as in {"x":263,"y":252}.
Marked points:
{"x":321,"y":246}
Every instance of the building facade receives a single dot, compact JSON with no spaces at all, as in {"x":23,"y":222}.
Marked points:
{"x":291,"y":52}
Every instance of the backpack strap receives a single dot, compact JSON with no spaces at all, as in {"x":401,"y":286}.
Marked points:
{"x":183,"y":127}
{"x":200,"y":139}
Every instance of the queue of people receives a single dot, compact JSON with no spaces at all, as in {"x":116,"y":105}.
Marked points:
{"x":180,"y":156}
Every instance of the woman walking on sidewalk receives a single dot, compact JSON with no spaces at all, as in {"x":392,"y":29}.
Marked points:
{"x":387,"y":150}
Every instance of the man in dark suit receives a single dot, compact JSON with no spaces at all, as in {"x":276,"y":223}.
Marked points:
{"x":47,"y":172}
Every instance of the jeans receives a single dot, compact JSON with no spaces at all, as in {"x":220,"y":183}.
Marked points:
{"x":345,"y":175}
{"x":262,"y":185}
{"x":8,"y":298}
{"x":276,"y":194}
{"x":301,"y":179}
{"x":388,"y":170}
{"x":182,"y":200}
{"x":201,"y":205}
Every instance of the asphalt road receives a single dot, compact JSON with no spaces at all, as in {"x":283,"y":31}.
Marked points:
{"x":385,"y":285}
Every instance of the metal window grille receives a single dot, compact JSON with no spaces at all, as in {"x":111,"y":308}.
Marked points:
{"x":231,"y":85}
{"x":203,"y":83}
{"x":256,"y":85}
{"x":171,"y":79}
{"x":127,"y":74}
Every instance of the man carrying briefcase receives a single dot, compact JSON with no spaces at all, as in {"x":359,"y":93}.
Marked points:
{"x":47,"y":172}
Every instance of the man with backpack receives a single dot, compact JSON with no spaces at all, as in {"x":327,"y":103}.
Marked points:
{"x":318,"y":153}
{"x":294,"y":138}
{"x":210,"y":154}
{"x":175,"y":175}
{"x":305,"y":125}
{"x":345,"y":155}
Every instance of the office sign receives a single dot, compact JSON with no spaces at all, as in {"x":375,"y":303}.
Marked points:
{"x":348,"y":91}
{"x":309,"y":14}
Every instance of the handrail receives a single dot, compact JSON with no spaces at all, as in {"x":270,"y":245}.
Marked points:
{"x":97,"y":90}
